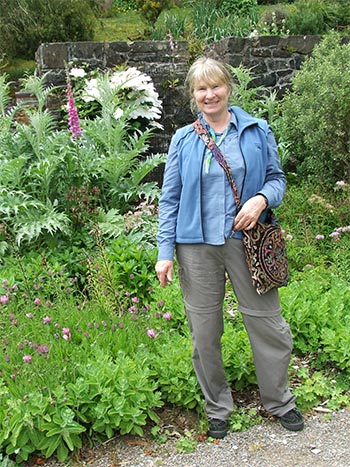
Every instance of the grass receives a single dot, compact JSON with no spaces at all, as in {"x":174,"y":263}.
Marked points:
{"x":16,"y":68}
{"x":125,"y":26}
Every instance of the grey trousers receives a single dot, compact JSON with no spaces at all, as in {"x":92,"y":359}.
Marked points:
{"x":202,"y":272}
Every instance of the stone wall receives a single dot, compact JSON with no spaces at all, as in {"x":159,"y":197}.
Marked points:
{"x":273,"y":61}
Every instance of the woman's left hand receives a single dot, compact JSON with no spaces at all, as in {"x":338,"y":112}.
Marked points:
{"x":250,"y":212}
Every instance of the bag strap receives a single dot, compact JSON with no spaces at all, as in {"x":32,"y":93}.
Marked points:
{"x":218,"y":155}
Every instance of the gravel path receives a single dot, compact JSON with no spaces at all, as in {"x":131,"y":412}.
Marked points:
{"x":325,"y":442}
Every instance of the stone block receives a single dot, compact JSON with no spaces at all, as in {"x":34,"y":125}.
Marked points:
{"x":52,"y":55}
{"x":299,"y":44}
{"x":87,"y":51}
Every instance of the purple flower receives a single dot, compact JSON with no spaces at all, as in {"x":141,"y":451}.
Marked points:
{"x":73,"y":118}
{"x":167,"y":316}
{"x":42,"y":349}
{"x":37,"y":301}
{"x":47,"y":320}
{"x":29,"y":315}
{"x":335,"y":235}
{"x":27,"y":358}
{"x":151,"y":333}
{"x":319,"y":237}
{"x":135,"y":300}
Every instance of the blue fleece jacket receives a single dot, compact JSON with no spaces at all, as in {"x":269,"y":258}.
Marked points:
{"x":180,"y":205}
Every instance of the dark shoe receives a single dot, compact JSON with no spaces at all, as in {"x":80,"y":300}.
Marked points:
{"x":292,"y":420}
{"x":217,"y":428}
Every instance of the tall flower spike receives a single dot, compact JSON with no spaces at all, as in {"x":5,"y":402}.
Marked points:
{"x":73,"y":118}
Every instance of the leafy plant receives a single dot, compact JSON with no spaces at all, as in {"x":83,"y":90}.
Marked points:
{"x":56,"y":187}
{"x":25,"y":24}
{"x":319,"y":135}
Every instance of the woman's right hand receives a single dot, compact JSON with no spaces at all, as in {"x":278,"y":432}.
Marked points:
{"x":164,"y":270}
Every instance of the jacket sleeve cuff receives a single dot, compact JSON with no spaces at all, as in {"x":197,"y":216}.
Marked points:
{"x":166,"y":252}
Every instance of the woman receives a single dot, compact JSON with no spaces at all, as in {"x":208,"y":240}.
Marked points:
{"x":196,"y":214}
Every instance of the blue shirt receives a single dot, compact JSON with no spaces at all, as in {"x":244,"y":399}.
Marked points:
{"x":218,"y":204}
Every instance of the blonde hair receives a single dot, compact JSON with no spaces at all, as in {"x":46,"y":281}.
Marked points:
{"x":210,"y":71}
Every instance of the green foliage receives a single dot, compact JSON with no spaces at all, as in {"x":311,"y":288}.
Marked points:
{"x":319,"y":107}
{"x":32,"y":22}
{"x":239,"y":7}
{"x":242,"y":419}
{"x":316,"y":387}
{"x":314,"y":16}
{"x":124,"y":5}
{"x":210,"y":21}
{"x":55,"y":188}
{"x":151,"y":9}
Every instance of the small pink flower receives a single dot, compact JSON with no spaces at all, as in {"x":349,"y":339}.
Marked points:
{"x":319,"y":237}
{"x":151,"y":333}
{"x":66,"y":334}
{"x":47,"y":320}
{"x":6,"y":357}
{"x":4,"y":299}
{"x":37,"y":301}
{"x":27,"y":358}
{"x":335,"y":235}
{"x":135,"y":300}
{"x":14,"y":322}
{"x":340,"y":183}
{"x":29,"y":315}
{"x":167,"y":316}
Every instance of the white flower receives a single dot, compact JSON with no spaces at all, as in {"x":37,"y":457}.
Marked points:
{"x":77,"y":72}
{"x":91,"y":91}
{"x":118,"y":113}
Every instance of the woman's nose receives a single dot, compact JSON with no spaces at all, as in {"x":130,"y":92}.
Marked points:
{"x":210,"y":93}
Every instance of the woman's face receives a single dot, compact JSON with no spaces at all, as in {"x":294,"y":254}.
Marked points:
{"x":211,"y":99}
